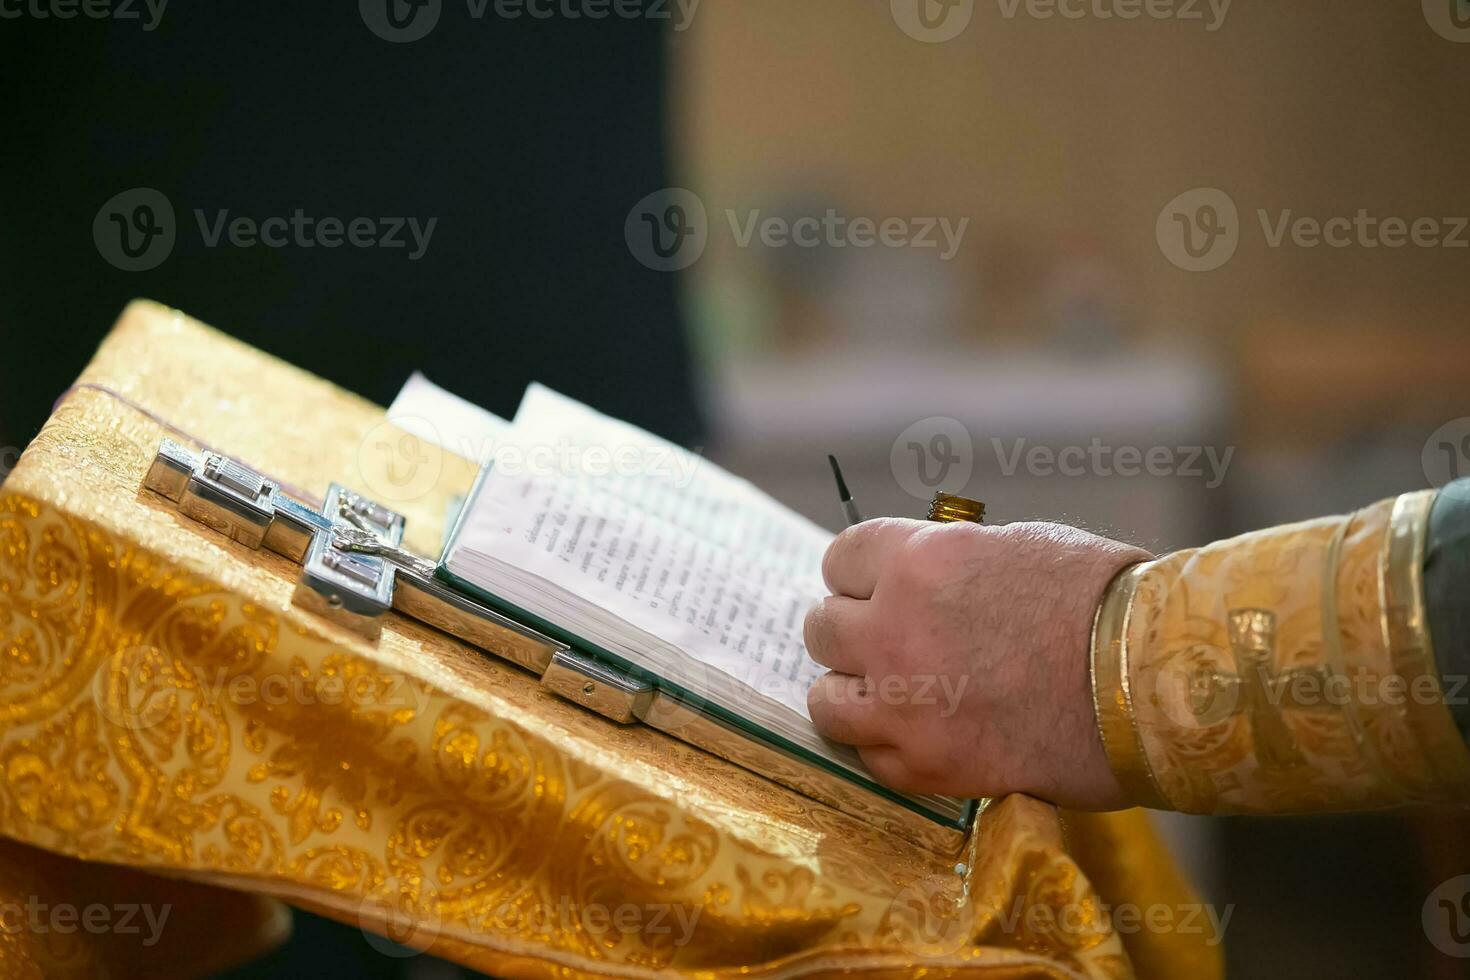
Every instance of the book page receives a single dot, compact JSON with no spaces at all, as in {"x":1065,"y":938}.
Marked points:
{"x":446,"y":420}
{"x":558,"y":436}
{"x":657,"y":537}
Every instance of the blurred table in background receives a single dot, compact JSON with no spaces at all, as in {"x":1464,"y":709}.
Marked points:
{"x":774,"y":423}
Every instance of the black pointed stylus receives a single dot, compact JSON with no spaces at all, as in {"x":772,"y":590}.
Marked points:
{"x":849,"y":509}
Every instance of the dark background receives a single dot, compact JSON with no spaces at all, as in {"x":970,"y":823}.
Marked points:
{"x":528,"y":140}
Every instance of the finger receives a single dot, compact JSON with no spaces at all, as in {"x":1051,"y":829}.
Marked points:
{"x":887,"y":766}
{"x":844,"y":710}
{"x":839,"y":635}
{"x":855,"y":557}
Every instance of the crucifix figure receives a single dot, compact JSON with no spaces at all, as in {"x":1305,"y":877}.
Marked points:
{"x":1253,"y":641}
{"x":1258,"y":691}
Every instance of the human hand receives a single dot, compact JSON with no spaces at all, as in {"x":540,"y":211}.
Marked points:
{"x":959,"y":657}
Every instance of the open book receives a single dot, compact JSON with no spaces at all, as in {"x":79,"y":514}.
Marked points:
{"x":650,"y":557}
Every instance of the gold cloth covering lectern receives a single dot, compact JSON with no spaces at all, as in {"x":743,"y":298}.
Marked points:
{"x":174,"y":730}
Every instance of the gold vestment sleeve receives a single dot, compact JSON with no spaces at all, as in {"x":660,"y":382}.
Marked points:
{"x":1286,"y":670}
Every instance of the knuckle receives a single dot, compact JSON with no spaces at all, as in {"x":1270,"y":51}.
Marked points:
{"x":935,"y":552}
{"x":926,"y":545}
{"x":816,"y":625}
{"x":894,"y":771}
{"x":830,"y":558}
{"x":852,"y":542}
{"x":911,"y":567}
{"x":840,"y":553}
{"x":824,"y":636}
{"x":883,"y":764}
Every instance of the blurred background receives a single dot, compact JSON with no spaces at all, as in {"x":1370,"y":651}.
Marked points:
{"x":1062,"y":320}
{"x":1093,"y":298}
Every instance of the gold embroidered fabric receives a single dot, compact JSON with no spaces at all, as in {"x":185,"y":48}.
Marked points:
{"x":166,"y":711}
{"x":1285,"y":670}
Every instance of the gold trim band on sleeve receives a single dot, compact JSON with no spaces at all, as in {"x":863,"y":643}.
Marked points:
{"x":1112,"y":696}
{"x":1334,"y":660}
{"x":1285,"y":670}
{"x":1411,"y":649}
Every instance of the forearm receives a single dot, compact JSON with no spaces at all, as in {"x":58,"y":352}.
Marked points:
{"x":1294,"y":668}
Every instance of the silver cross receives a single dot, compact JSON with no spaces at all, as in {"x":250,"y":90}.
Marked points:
{"x":362,"y":541}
